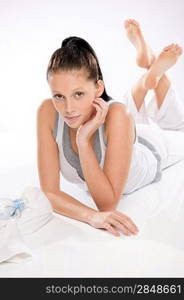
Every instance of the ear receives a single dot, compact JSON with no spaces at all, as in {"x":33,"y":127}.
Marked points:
{"x":100,"y":88}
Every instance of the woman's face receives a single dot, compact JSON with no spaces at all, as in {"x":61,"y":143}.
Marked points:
{"x":73,"y":94}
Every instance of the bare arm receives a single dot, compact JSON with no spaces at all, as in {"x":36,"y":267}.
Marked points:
{"x":99,"y":186}
{"x":68,"y":206}
{"x":106,"y":185}
{"x":48,"y":169}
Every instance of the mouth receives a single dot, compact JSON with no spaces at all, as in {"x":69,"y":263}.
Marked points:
{"x":72,"y":118}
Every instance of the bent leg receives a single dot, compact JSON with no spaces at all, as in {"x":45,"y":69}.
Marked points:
{"x":165,"y":60}
{"x":134,"y":99}
{"x":169,"y":144}
{"x":170,"y":115}
{"x":162,"y":89}
{"x":139,"y":93}
{"x":170,"y":121}
{"x":169,"y":111}
{"x":145,"y":55}
{"x":139,"y":112}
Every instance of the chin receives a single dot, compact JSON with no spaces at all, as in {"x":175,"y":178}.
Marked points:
{"x":74,"y":125}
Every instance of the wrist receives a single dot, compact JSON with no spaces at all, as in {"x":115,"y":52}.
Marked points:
{"x":89,"y":215}
{"x":82,"y":143}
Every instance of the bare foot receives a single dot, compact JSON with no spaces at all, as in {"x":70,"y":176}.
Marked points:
{"x":166,"y":59}
{"x":145,"y":56}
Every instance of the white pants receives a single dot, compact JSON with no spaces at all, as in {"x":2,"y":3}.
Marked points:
{"x":163,"y":127}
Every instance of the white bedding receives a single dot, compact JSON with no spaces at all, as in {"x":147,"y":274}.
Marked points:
{"x":69,"y":248}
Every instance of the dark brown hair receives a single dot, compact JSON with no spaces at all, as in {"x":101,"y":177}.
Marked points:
{"x":75,"y":53}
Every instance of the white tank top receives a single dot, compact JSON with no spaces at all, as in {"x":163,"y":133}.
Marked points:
{"x":145,"y":166}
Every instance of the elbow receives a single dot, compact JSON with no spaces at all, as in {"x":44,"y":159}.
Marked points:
{"x":52,"y":196}
{"x":111,"y":201}
{"x":109,"y":205}
{"x":49,"y":193}
{"x":49,"y":196}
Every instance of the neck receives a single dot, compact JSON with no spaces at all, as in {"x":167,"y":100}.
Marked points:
{"x":73,"y":131}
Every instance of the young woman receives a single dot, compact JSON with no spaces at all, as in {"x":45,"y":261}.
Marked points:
{"x":92,"y":138}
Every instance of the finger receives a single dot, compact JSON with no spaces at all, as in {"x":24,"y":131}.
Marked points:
{"x":124,"y":216}
{"x":101,"y":102}
{"x":96,"y":102}
{"x":103,"y":105}
{"x":126,"y":221}
{"x":120,"y":226}
{"x":78,"y":130}
{"x":111,"y":229}
{"x":99,"y":110}
{"x":129,"y":224}
{"x":100,"y":113}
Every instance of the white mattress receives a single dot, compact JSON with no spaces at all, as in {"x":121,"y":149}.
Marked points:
{"x":69,"y":248}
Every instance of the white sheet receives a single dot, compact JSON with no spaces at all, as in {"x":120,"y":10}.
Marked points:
{"x":62,"y":243}
{"x":112,"y":258}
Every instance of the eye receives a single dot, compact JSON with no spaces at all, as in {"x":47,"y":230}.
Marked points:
{"x":79,"y":94}
{"x":57,"y":97}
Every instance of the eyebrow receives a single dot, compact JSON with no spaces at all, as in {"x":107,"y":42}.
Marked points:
{"x":79,"y":88}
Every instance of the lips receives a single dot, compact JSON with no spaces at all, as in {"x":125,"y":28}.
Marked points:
{"x":71,"y":118}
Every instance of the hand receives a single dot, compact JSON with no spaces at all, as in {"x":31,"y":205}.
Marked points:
{"x":113,"y":220}
{"x":86,"y":130}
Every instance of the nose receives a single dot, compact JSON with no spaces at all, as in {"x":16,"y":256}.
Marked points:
{"x":69,"y":107}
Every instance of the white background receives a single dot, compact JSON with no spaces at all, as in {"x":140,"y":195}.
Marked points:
{"x":32,"y":30}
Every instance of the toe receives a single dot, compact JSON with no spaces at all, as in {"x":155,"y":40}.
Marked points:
{"x":174,"y":48}
{"x":135,"y":23}
{"x":168,"y":47}
{"x":179,"y":50}
{"x":178,"y":47}
{"x":132,"y":21}
{"x":126,"y":23}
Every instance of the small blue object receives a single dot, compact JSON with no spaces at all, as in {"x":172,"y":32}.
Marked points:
{"x":11,"y":208}
{"x":19,"y":204}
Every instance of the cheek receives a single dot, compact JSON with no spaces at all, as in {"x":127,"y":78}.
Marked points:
{"x":55,"y":104}
{"x":88,"y":103}
{"x":59,"y":107}
{"x":88,"y":107}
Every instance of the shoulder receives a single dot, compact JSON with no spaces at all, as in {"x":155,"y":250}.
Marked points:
{"x":47,"y":112}
{"x":118,"y":117}
{"x":118,"y":108}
